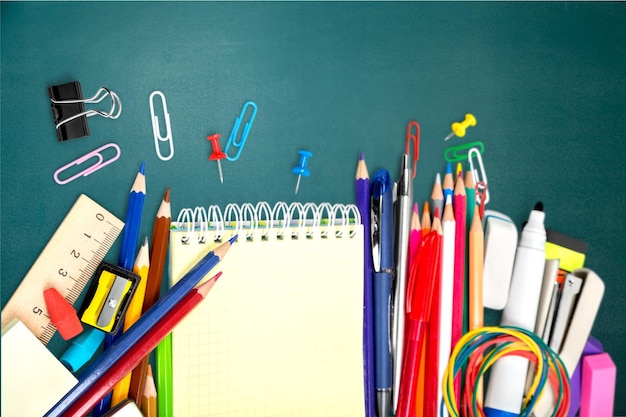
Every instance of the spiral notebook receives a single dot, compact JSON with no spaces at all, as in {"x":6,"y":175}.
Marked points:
{"x":281,"y":332}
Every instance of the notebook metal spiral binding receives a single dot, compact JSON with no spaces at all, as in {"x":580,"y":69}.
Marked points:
{"x":284,"y":220}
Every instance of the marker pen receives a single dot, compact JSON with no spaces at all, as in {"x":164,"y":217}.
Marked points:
{"x":508,"y":375}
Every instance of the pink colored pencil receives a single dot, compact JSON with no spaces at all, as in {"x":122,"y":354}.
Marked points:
{"x":415,"y":236}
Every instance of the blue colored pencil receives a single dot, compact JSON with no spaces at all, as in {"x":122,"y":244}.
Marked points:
{"x":362,"y":188}
{"x":128,"y":252}
{"x":141,"y":327}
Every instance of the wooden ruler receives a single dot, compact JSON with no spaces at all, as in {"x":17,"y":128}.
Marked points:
{"x":66,"y":263}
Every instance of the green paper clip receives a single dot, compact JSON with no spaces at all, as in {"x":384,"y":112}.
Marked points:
{"x":459,"y":153}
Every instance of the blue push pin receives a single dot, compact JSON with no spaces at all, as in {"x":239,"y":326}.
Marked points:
{"x":301,"y":169}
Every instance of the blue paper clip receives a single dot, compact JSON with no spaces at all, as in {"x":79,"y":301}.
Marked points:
{"x":232,"y":140}
{"x":101,"y":163}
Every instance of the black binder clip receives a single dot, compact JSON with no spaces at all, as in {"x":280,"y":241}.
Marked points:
{"x":68,"y":109}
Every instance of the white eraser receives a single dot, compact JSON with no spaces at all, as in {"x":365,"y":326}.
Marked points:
{"x":500,"y":247}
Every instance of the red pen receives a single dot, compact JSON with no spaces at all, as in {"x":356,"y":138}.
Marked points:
{"x":422,"y":278}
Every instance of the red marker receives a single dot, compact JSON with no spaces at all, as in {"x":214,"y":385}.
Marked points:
{"x":421,"y":286}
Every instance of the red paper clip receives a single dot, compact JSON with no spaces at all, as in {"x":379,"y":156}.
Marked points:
{"x":415,"y":138}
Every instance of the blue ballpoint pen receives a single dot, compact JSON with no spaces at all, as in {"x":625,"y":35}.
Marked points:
{"x":382,"y":258}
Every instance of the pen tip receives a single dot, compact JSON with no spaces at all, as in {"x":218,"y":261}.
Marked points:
{"x":142,"y":167}
{"x":216,"y":276}
{"x":538,"y":206}
{"x":166,"y":196}
{"x":232,"y":239}
{"x":361,"y":156}
{"x":448,"y":168}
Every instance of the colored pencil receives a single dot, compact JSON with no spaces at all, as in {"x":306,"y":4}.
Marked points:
{"x":447,"y":289}
{"x":362,"y":188}
{"x":415,"y":236}
{"x":476,"y":254}
{"x":142,"y":346}
{"x":421,"y":377}
{"x":415,"y":243}
{"x":432,"y":342}
{"x":436,"y":197}
{"x":448,"y":182}
{"x":143,"y":326}
{"x":158,"y":254}
{"x":470,"y":202}
{"x":149,"y":403}
{"x":426,"y":222}
{"x":142,"y":265}
{"x":128,"y":251}
{"x":460,"y":208}
{"x":476,"y":258}
{"x":163,"y":357}
{"x":130,"y":234}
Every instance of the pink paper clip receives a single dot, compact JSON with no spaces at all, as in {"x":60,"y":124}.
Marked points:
{"x":97,"y":153}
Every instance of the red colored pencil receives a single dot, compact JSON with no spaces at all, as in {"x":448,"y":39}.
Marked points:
{"x":127,"y":362}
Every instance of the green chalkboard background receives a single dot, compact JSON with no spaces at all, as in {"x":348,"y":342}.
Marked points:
{"x":546,"y":81}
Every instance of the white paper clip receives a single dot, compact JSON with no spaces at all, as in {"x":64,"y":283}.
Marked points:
{"x":480,"y":178}
{"x":156,"y":130}
{"x":101,"y":163}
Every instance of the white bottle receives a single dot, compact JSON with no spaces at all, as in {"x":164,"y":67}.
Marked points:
{"x":508,"y":375}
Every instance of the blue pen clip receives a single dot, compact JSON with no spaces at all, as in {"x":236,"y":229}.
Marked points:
{"x":232,"y":140}
{"x":381,"y":184}
{"x":376,"y":219}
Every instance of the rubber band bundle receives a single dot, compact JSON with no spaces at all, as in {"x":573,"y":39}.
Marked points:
{"x":477,"y":351}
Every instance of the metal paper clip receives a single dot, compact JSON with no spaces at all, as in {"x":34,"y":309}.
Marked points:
{"x":459,"y":153}
{"x":415,"y":138}
{"x":156,"y":130}
{"x":232,"y":140}
{"x":101,"y":94}
{"x":480,"y":178}
{"x":93,"y":154}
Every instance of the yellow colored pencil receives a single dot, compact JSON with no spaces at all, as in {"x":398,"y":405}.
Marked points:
{"x":142,"y":266}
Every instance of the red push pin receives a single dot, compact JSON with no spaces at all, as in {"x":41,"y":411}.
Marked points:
{"x":217,"y":153}
{"x":62,"y":314}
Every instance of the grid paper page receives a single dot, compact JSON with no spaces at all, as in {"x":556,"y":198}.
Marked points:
{"x":281,"y":332}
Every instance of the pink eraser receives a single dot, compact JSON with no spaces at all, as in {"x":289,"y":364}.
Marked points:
{"x":597,"y":393}
{"x":62,"y":314}
{"x":592,"y":347}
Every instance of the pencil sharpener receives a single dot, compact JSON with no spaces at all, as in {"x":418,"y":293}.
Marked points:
{"x":108,"y":297}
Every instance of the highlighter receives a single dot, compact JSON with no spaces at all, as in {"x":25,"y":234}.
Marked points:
{"x":508,"y":375}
